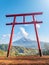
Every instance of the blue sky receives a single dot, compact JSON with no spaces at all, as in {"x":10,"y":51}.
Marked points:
{"x":24,"y":6}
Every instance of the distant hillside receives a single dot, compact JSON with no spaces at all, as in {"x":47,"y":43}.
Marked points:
{"x":3,"y":47}
{"x":17,"y":50}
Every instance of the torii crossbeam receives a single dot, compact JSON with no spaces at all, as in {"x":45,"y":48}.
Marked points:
{"x":24,"y":22}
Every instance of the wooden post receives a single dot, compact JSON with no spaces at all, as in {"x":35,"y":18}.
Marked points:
{"x":38,"y":42}
{"x":10,"y":42}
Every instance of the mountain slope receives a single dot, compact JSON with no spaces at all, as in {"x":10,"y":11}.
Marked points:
{"x":24,"y":42}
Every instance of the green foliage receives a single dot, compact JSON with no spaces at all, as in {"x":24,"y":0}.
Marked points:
{"x":2,"y":53}
{"x":16,"y":53}
{"x":46,"y":52}
{"x":46,"y":49}
{"x":16,"y":50}
{"x":3,"y":47}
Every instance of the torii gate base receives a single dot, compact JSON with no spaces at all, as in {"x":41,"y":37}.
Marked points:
{"x":24,"y":22}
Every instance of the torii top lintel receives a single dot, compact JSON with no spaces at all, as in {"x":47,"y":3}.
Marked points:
{"x":26,"y":14}
{"x":24,"y":22}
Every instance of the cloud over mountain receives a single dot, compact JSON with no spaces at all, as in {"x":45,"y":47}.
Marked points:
{"x":23,"y":32}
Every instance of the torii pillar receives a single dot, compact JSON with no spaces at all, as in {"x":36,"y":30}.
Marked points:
{"x":24,"y":22}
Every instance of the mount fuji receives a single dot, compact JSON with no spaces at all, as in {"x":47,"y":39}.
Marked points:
{"x":28,"y":43}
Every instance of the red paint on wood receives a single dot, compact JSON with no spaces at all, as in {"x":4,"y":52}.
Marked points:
{"x":24,"y":22}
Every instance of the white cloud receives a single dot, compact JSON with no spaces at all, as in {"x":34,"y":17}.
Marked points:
{"x":5,"y":38}
{"x":5,"y":35}
{"x":37,"y":25}
{"x":20,"y":34}
{"x":26,"y":25}
{"x":17,"y":36}
{"x":23,"y":31}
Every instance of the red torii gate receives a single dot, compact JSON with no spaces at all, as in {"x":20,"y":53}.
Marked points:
{"x":24,"y":22}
